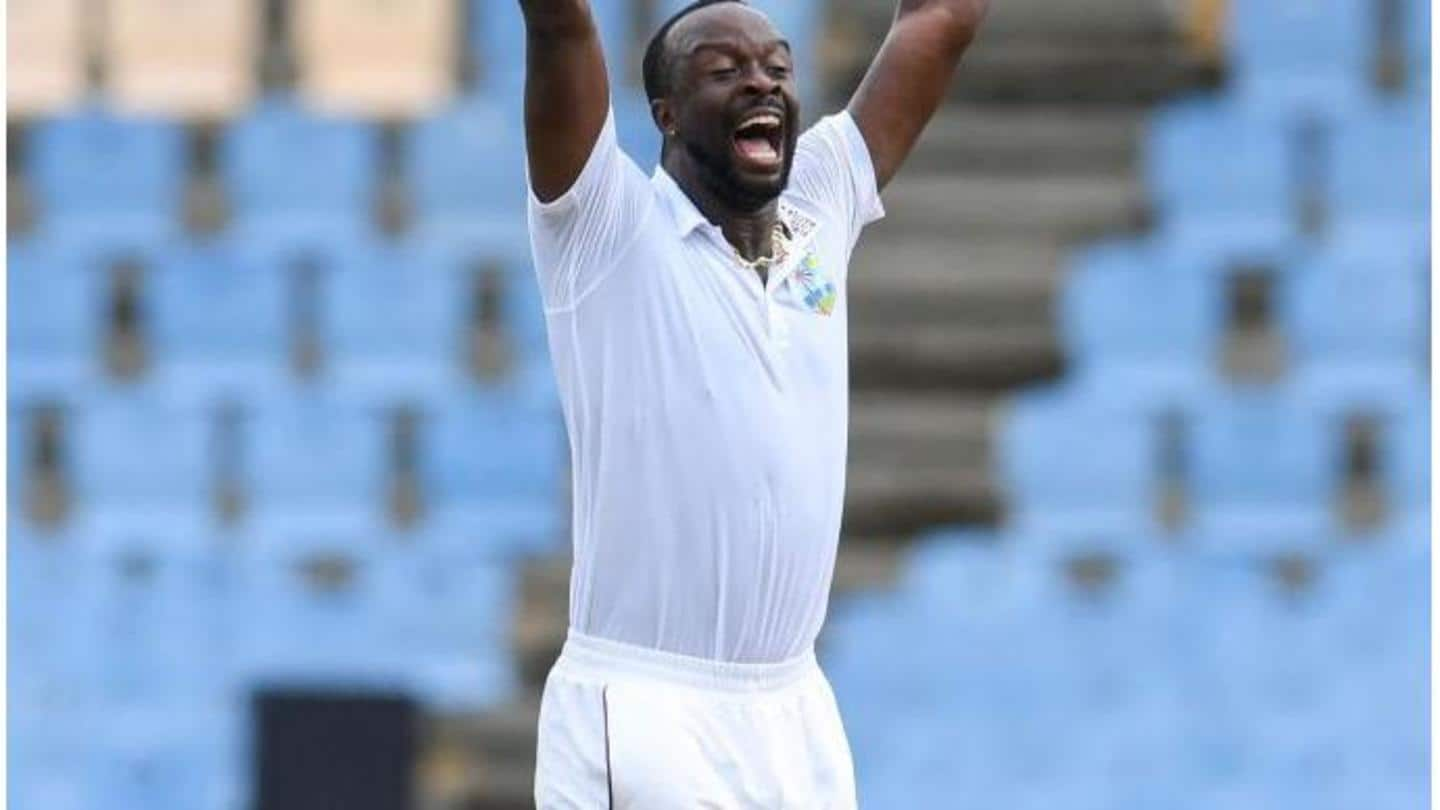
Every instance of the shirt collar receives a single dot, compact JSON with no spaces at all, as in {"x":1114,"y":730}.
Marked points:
{"x":687,"y":217}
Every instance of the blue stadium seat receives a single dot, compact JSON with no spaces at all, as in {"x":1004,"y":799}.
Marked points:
{"x":1358,"y":327}
{"x":393,"y":325}
{"x":142,"y":472}
{"x":953,"y":572}
{"x":318,"y":616}
{"x":158,"y":616}
{"x":1079,"y":475}
{"x":467,"y":177}
{"x":1151,"y":356}
{"x":57,"y":310}
{"x":453,"y":629}
{"x":315,"y":470}
{"x":492,"y":478}
{"x":1379,"y":172}
{"x":166,"y":755}
{"x":1264,"y":473}
{"x":49,"y":630}
{"x":109,"y":181}
{"x":504,"y":297}
{"x":1303,"y":56}
{"x":49,"y":747}
{"x":1242,"y":207}
{"x":291,"y":172}
{"x":220,"y":324}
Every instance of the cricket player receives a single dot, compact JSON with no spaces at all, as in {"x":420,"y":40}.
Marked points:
{"x":697,"y":321}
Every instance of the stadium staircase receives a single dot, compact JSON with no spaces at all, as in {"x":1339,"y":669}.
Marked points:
{"x":952,"y":303}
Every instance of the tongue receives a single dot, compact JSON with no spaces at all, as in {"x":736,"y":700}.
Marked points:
{"x":757,"y":149}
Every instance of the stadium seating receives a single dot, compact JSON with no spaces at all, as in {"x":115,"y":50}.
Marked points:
{"x":141,"y":471}
{"x":236,"y":346}
{"x":1153,"y":356}
{"x":191,"y":61}
{"x":1379,"y":168}
{"x":56,"y":320}
{"x":393,"y":328}
{"x":1264,"y":473}
{"x":380,"y":60}
{"x":299,"y":176}
{"x":108,"y":183}
{"x":492,"y":475}
{"x":1078,"y":474}
{"x":45,"y":56}
{"x":468,"y":181}
{"x":317,"y":614}
{"x":1188,"y":680}
{"x":1244,"y":206}
{"x":316,"y":470}
{"x":1303,"y":56}
{"x":452,"y":629}
{"x":1357,"y":327}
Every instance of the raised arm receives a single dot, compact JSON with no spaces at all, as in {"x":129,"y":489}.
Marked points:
{"x":566,"y":93}
{"x":908,"y":79}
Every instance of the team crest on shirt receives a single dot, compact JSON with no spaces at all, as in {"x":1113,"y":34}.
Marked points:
{"x":814,"y":289}
{"x":817,"y":291}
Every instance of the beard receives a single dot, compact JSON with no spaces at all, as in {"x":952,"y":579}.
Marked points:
{"x":722,"y":177}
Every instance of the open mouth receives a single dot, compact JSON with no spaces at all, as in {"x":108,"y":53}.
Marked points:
{"x":759,"y":141}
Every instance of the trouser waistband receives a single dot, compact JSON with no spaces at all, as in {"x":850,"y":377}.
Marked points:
{"x":605,"y":659}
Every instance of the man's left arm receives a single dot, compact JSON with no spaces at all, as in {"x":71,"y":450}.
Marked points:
{"x":910,"y":75}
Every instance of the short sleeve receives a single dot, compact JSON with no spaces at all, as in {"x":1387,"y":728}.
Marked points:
{"x":833,"y":171}
{"x":578,"y":238}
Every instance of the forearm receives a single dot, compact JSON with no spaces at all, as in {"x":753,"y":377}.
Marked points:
{"x":909,"y":77}
{"x":566,"y":91}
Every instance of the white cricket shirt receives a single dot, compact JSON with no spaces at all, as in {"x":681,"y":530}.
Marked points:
{"x":707,"y":413}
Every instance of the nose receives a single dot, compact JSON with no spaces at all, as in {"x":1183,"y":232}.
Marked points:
{"x":758,"y":80}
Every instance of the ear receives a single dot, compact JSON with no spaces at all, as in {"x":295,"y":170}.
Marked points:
{"x":664,"y":115}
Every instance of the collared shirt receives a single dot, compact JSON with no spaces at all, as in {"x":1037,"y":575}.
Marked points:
{"x":707,"y":411}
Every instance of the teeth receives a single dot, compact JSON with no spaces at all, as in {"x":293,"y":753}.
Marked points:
{"x":763,"y":119}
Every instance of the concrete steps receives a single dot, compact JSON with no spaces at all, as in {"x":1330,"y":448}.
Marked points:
{"x":946,"y":356}
{"x":1025,"y":139}
{"x":894,"y":281}
{"x":1063,"y":208}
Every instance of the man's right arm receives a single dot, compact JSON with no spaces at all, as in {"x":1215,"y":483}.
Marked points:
{"x":567,"y":96}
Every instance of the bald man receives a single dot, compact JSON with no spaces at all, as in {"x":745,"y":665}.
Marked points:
{"x":697,"y":322}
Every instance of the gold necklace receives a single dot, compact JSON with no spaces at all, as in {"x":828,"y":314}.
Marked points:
{"x":777,"y":235}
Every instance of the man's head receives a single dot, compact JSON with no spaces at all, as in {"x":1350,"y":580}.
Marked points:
{"x":721,"y":87}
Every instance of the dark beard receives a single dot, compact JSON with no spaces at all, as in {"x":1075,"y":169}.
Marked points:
{"x":718,"y":175}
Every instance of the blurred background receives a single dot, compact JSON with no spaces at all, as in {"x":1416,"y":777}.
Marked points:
{"x":1139,"y":487}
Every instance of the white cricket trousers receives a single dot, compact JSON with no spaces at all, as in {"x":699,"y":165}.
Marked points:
{"x":631,"y":728}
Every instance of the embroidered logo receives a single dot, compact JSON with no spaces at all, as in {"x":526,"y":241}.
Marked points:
{"x":819,"y":292}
